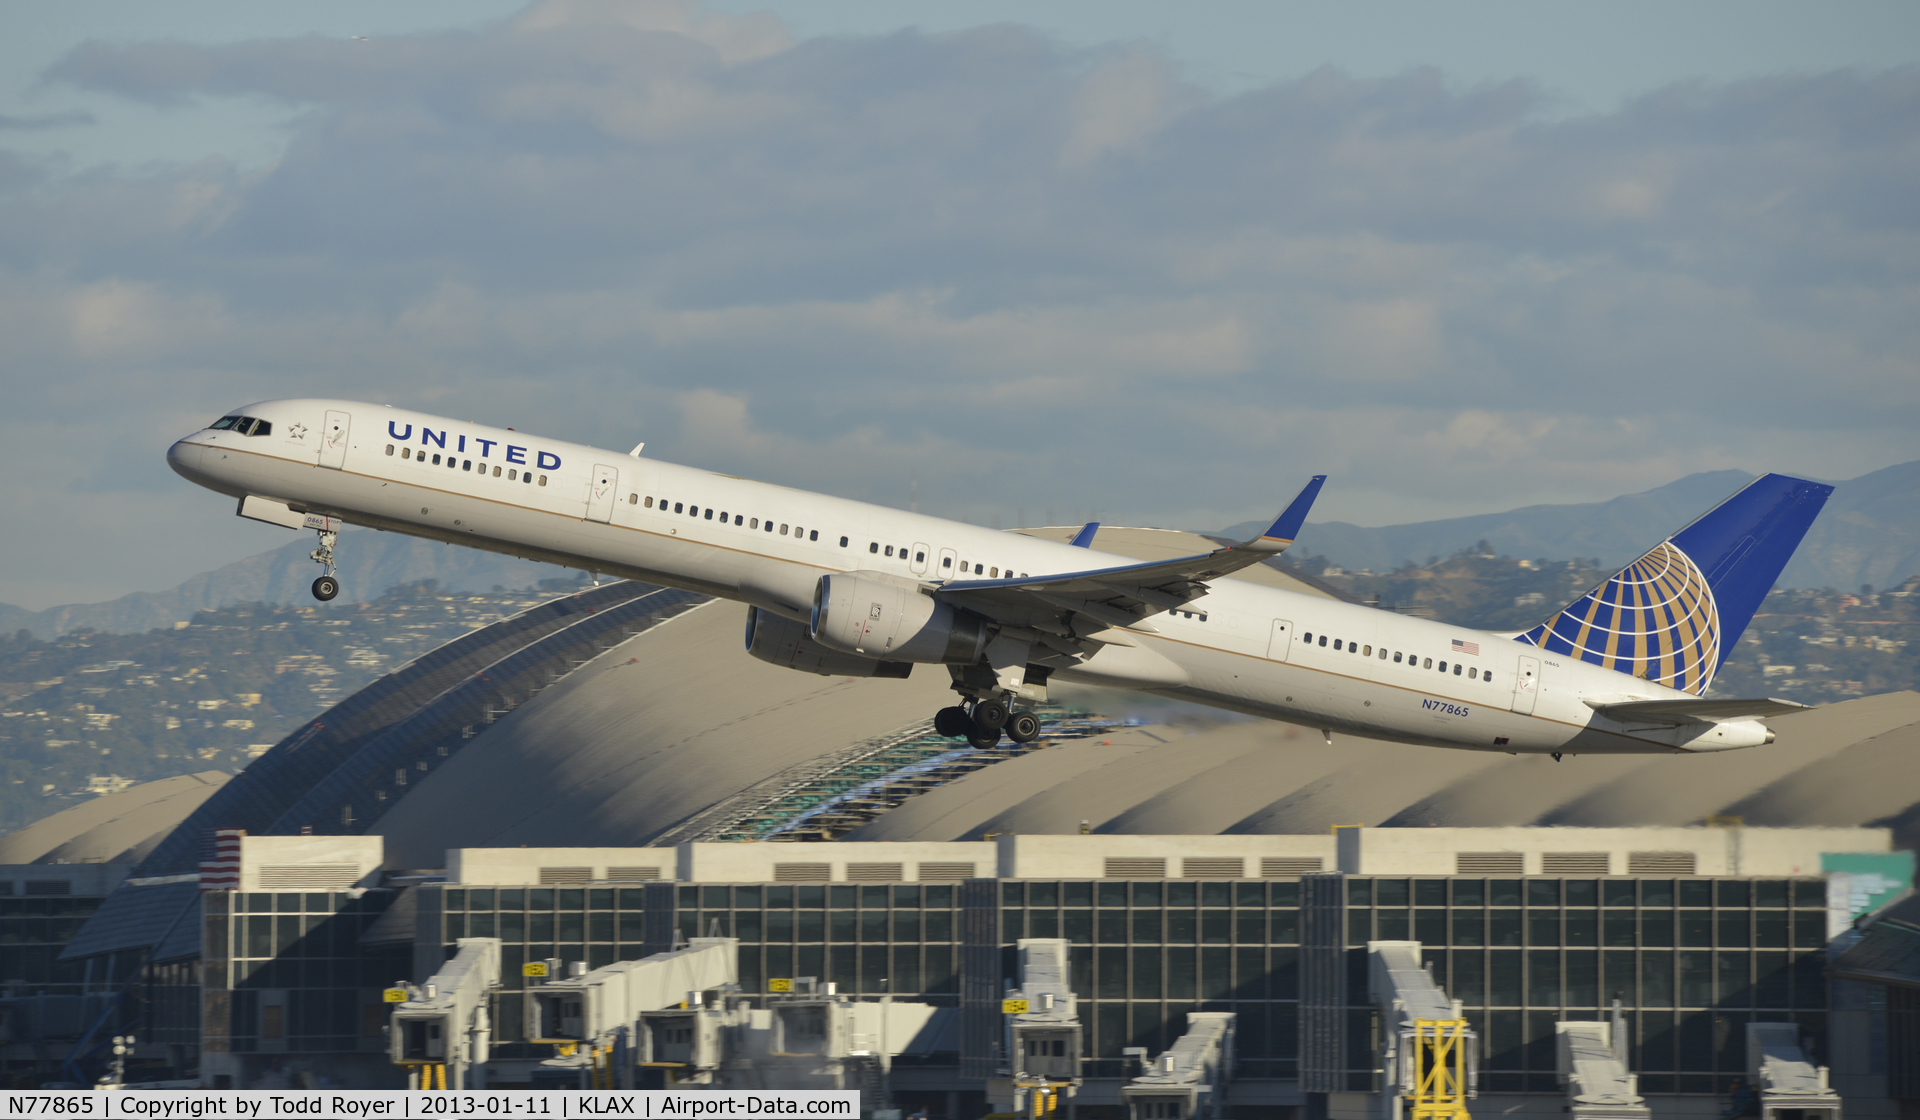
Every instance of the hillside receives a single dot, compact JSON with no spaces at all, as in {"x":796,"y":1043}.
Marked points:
{"x":369,"y":563}
{"x":91,"y":713}
{"x":1869,"y":532}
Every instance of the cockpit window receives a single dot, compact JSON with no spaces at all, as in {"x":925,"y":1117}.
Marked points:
{"x":244,"y":425}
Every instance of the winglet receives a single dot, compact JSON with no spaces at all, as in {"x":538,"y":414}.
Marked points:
{"x":1287,"y":526}
{"x":1084,"y":538}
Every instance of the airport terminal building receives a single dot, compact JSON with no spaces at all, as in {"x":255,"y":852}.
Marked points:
{"x":787,"y":877}
{"x":281,"y":979}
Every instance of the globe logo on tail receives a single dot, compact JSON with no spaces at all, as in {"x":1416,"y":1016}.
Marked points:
{"x":1655,"y":620}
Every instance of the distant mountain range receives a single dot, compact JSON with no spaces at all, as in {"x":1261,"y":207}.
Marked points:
{"x":369,"y":563}
{"x":1869,"y":531}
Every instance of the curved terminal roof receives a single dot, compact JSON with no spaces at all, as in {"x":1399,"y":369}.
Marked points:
{"x":655,"y":730}
{"x":342,"y":771}
{"x":115,"y":828}
{"x":1855,"y":763}
{"x":672,"y":722}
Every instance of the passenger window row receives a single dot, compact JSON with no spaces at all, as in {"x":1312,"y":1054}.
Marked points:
{"x":454,"y":462}
{"x":967,"y":568}
{"x":242,"y":425}
{"x":876,"y":548}
{"x":723,"y":516}
{"x":1413,"y":661}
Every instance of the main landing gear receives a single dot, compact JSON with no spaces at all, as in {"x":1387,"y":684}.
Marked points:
{"x":327,"y":586}
{"x":981,"y":723}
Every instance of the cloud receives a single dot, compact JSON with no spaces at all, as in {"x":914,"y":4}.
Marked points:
{"x":1017,"y":274}
{"x":38,"y":121}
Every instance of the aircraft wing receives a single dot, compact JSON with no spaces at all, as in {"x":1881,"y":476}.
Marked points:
{"x":1128,"y":594}
{"x":1700,"y":711}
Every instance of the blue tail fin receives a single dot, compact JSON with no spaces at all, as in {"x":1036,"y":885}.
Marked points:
{"x":1674,"y":615}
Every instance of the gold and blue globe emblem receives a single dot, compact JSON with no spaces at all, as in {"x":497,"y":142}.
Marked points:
{"x":1655,"y":620}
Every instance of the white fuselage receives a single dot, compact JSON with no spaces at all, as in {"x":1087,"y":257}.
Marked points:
{"x":1242,"y":646}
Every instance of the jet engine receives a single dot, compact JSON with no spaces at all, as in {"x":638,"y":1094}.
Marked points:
{"x":784,"y":642}
{"x":877,"y":615}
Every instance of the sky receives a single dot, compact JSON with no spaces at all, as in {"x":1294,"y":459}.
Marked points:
{"x":1014,"y":263}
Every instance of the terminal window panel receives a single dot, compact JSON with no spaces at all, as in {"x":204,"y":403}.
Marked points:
{"x":866,"y":938}
{"x":1691,"y":960}
{"x":594,"y":924}
{"x":869,"y":938}
{"x":33,"y":931}
{"x":597,"y":925}
{"x":301,"y":950}
{"x":1145,"y":953}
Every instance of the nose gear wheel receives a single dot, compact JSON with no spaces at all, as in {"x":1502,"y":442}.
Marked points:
{"x":327,"y":586}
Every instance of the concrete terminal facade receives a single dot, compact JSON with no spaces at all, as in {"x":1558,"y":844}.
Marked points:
{"x":1696,"y":931}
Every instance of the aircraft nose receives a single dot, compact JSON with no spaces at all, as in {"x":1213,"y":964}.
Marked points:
{"x":184,"y":457}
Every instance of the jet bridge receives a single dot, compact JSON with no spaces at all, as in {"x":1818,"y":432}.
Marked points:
{"x":1043,"y":1029}
{"x":1188,"y":1081}
{"x":442,"y":1029}
{"x":1591,"y":1060}
{"x":690,"y":1042}
{"x":1428,"y":1055}
{"x":816,"y":1039}
{"x":595,"y":1017}
{"x":1790,"y":1086}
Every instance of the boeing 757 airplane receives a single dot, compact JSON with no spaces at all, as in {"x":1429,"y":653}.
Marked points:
{"x":844,"y":588}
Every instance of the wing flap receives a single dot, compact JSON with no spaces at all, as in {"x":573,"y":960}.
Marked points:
{"x":1082,"y":603}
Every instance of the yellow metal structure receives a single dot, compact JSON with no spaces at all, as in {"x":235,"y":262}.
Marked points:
{"x":1043,"y":1099}
{"x":1439,"y":1070}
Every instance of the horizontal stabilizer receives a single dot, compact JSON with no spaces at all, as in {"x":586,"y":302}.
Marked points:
{"x":1700,"y":711}
{"x":1084,"y":538}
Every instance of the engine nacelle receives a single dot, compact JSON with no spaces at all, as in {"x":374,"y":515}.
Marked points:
{"x":784,"y":642}
{"x":877,"y":615}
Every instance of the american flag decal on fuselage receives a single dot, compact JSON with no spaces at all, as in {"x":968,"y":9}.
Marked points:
{"x":1471,"y":649}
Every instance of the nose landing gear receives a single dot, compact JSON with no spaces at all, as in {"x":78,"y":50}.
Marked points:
{"x":327,"y":586}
